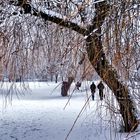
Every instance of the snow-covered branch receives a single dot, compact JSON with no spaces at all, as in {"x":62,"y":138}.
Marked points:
{"x":49,"y":15}
{"x":62,"y":22}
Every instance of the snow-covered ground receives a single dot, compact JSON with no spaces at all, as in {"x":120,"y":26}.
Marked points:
{"x":43,"y":114}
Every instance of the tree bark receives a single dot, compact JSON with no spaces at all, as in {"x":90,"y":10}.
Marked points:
{"x":66,"y":85}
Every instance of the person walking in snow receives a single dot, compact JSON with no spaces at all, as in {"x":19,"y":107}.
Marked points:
{"x":78,"y":85}
{"x":101,"y":88}
{"x":93,"y":88}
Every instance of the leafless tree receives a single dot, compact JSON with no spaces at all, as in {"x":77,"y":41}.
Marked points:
{"x":110,"y":30}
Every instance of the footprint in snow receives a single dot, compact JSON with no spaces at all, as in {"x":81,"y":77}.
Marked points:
{"x":14,"y":137}
{"x":35,"y":129}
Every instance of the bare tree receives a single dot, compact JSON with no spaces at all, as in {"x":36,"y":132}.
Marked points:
{"x":103,"y":25}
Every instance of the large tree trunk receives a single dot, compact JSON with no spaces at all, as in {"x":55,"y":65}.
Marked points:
{"x":66,"y":85}
{"x":108,"y":74}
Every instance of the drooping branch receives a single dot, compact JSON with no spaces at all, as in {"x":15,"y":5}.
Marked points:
{"x":108,"y":74}
{"x":98,"y":59}
{"x":51,"y":16}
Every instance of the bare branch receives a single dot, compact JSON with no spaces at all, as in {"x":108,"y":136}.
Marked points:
{"x":55,"y":18}
{"x":64,"y":23}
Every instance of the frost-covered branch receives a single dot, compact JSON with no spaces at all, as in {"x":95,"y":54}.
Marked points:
{"x":49,"y":15}
{"x":62,"y":22}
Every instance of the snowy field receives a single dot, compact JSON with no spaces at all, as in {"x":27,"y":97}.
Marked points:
{"x":42,"y":114}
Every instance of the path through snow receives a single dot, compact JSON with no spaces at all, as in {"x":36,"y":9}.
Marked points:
{"x":40,"y":115}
